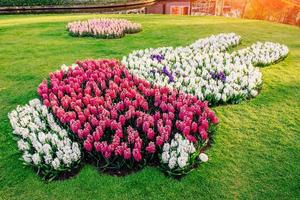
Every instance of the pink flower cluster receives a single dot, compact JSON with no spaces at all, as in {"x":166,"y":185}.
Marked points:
{"x":116,"y":114}
{"x":103,"y":28}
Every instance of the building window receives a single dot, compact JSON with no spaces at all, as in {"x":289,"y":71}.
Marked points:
{"x":179,"y":10}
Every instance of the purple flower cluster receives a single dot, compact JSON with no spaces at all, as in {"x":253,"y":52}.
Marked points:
{"x":218,"y":76}
{"x":167,"y":73}
{"x":157,"y":57}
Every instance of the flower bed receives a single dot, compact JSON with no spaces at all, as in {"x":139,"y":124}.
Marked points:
{"x":216,"y":43}
{"x":262,"y":54}
{"x":122,"y":120}
{"x":103,"y":28}
{"x":44,"y":144}
{"x":205,"y":70}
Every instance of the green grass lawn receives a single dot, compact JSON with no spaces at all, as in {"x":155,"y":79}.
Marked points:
{"x":256,"y":151}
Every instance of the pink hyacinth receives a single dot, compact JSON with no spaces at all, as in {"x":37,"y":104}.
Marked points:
{"x":151,"y":148}
{"x":103,"y":28}
{"x":116,"y":114}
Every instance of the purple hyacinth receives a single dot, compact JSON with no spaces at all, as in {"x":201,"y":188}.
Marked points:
{"x":222,"y":76}
{"x":171,"y":79}
{"x":213,"y":75}
{"x":167,"y":73}
{"x":157,"y":57}
{"x":218,"y":76}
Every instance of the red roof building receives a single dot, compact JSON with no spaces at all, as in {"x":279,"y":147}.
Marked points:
{"x":283,"y":11}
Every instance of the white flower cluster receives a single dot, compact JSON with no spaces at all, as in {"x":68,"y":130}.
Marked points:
{"x":216,"y":43}
{"x":203,"y":157}
{"x":43,"y":142}
{"x":177,"y":153}
{"x":66,"y":68}
{"x":262,"y":54}
{"x":203,"y":68}
{"x":103,"y":28}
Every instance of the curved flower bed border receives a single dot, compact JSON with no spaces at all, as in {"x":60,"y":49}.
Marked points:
{"x":107,"y":28}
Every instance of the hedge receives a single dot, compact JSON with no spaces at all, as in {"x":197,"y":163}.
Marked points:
{"x":10,"y":3}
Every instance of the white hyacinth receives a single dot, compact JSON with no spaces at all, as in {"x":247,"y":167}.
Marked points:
{"x":177,"y":153}
{"x":65,"y":67}
{"x":41,"y":139}
{"x":262,"y":53}
{"x":205,"y":69}
{"x":203,"y":157}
